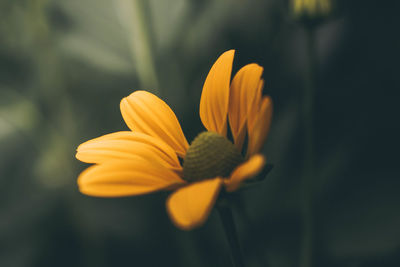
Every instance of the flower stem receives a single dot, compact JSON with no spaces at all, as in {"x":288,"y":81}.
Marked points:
{"x":308,"y":171}
{"x":134,"y":17}
{"x":230,"y":231}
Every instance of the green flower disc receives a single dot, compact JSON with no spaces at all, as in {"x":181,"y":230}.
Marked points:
{"x":210,"y":155}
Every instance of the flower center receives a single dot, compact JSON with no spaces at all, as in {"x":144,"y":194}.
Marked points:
{"x":210,"y":155}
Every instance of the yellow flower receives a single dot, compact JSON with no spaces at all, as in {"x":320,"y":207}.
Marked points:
{"x":146,"y":159}
{"x":311,"y":9}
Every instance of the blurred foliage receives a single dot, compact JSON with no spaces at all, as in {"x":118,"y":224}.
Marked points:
{"x":65,"y":65}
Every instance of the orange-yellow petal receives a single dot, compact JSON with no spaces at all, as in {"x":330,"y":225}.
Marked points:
{"x":190,"y":206}
{"x":253,"y":109}
{"x":127,"y":178}
{"x":246,"y":170}
{"x":244,"y":89}
{"x":127,"y":145}
{"x":215,"y":95}
{"x":146,"y":113}
{"x":258,"y":126}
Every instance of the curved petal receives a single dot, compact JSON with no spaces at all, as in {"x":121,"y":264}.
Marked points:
{"x":146,"y":113}
{"x":215,"y":95}
{"x":127,"y":178}
{"x":244,"y":90}
{"x":190,"y":206}
{"x":127,"y":145}
{"x":258,"y":126}
{"x":246,"y":170}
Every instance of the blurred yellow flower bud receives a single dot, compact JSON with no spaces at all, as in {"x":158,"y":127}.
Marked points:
{"x":311,"y":10}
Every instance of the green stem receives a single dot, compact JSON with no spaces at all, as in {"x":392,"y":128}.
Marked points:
{"x":230,"y":231}
{"x":308,"y":172}
{"x":134,"y":16}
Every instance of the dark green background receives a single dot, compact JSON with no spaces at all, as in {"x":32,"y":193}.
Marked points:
{"x":65,"y":65}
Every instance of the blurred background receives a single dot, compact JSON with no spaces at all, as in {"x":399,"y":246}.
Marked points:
{"x":65,"y":65}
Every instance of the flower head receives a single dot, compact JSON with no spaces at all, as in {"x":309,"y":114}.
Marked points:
{"x":311,"y":11}
{"x":146,"y":159}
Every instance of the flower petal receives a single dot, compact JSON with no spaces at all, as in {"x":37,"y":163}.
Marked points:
{"x":126,"y":178}
{"x":215,"y":96}
{"x":190,"y":206}
{"x":258,"y":126}
{"x":127,"y":145}
{"x":244,"y":90}
{"x":246,"y":170}
{"x":146,"y":113}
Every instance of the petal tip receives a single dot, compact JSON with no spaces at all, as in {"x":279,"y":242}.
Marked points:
{"x":248,"y":169}
{"x":190,"y":206}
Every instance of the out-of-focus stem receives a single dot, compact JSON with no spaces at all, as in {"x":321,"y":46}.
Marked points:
{"x":231,"y":234}
{"x":308,"y":171}
{"x":132,"y":14}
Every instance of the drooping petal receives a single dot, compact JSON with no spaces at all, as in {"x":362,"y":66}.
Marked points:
{"x":244,"y":90}
{"x":127,"y":145}
{"x":146,"y":113}
{"x":127,"y":178}
{"x":258,"y":126}
{"x":215,"y":95}
{"x":246,"y":170}
{"x":190,"y":206}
